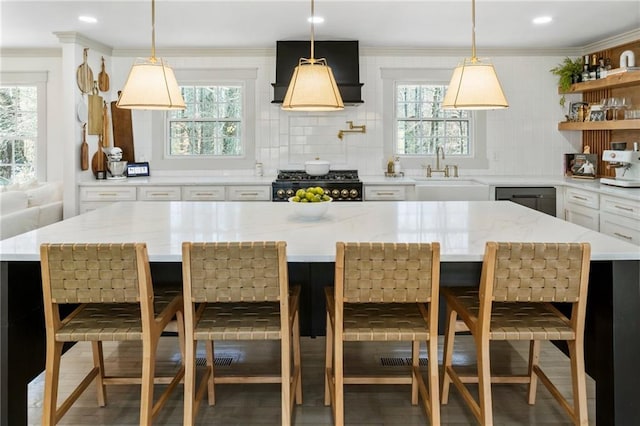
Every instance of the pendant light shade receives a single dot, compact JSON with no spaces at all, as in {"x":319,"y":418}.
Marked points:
{"x":151,"y":83}
{"x":474,"y":84}
{"x":312,"y":86}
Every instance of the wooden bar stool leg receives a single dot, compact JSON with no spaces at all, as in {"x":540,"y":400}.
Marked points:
{"x":210,"y":354}
{"x":190,"y":382}
{"x":449,"y":336}
{"x":415,"y":362}
{"x":339,"y":379}
{"x":534,"y":361}
{"x":285,"y":354}
{"x":51,"y":382}
{"x":484,"y":381}
{"x":328,"y":362}
{"x":148,"y":374}
{"x":98,"y":362}
{"x":297,"y":358}
{"x":576,"y":354}
{"x":434,"y":399}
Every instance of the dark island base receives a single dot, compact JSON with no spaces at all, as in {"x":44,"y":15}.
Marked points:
{"x":612,"y":328}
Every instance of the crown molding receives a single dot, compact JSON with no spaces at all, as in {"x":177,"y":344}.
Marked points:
{"x":195,"y":52}
{"x":617,"y":40}
{"x":31,"y":52}
{"x":466,"y":52}
{"x":77,"y":38}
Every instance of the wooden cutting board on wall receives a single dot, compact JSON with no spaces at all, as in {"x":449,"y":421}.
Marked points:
{"x":123,"y":131}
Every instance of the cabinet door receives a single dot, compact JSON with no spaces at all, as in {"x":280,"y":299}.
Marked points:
{"x":249,"y":193}
{"x":619,"y":227}
{"x":589,"y":218}
{"x":620,"y":206}
{"x":203,"y":193}
{"x":159,"y":193}
{"x":582,"y":198}
{"x":385,"y":193}
{"x":107,"y":193}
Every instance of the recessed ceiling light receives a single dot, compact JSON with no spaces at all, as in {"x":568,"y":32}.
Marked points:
{"x":316,"y":19}
{"x":540,"y":20}
{"x":87,"y":19}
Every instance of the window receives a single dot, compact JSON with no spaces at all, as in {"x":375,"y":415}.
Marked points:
{"x":217,"y":128}
{"x":415,"y":123}
{"x":18,"y":132}
{"x":211,"y":125}
{"x":421,"y":125}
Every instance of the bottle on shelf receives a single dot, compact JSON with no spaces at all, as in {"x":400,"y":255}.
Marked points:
{"x":602,"y":70}
{"x":585,"y":69}
{"x":593,"y":68}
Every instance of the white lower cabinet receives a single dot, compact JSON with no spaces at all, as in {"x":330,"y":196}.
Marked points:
{"x":620,"y":218}
{"x":385,"y":193}
{"x":249,"y":193}
{"x":203,"y":193}
{"x":582,"y":208}
{"x":159,"y":193}
{"x":92,"y":198}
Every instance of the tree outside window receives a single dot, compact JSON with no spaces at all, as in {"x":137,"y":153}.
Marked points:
{"x":422,"y":125}
{"x":18,"y":132}
{"x":211,"y":124}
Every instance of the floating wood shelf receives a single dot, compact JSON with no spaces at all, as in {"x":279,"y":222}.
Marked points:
{"x":600,"y":125}
{"x":624,"y":79}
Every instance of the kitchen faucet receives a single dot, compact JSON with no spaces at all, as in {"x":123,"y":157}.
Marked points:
{"x":445,"y":171}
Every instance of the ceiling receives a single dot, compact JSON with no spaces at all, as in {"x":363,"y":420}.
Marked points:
{"x":126,"y":24}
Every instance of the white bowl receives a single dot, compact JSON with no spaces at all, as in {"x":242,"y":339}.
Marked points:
{"x":310,"y":210}
{"x":316,"y":167}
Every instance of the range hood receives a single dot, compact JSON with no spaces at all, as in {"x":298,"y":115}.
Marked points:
{"x":342,"y":57}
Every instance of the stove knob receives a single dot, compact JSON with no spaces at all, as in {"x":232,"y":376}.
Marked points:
{"x":344,"y":193}
{"x":290,"y":193}
{"x":335,"y":193}
{"x":280,"y":193}
{"x":353,"y":193}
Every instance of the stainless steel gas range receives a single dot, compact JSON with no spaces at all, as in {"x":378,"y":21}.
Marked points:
{"x":341,"y":185}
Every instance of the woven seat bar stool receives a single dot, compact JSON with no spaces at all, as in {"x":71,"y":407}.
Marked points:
{"x":520,"y":287}
{"x":384,"y":292}
{"x":239,"y":291}
{"x":111,"y":284}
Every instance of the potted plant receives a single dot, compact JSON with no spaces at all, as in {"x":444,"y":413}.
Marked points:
{"x":568,"y":72}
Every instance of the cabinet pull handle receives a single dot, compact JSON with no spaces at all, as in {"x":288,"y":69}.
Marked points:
{"x":108,"y":194}
{"x":580,"y":198}
{"x":204,"y":194}
{"x":627,"y":209}
{"x":156,"y":194}
{"x":626,"y":237}
{"x":386,"y":193}
{"x":248,"y":194}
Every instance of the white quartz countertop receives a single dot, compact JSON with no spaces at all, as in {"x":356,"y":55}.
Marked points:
{"x":461,"y":227}
{"x":181,"y":180}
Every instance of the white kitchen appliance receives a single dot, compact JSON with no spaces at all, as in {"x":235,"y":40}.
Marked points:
{"x":117,"y":169}
{"x":626,"y":165}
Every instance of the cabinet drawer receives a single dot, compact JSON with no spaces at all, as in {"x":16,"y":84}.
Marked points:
{"x":583,"y":216}
{"x":249,"y":193}
{"x":92,"y":193}
{"x":385,"y":193}
{"x":159,"y":193}
{"x":620,"y":206}
{"x":582,"y":198}
{"x":203,"y":193}
{"x":620,"y":227}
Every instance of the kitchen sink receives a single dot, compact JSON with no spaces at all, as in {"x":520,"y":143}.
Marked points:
{"x":450,"y":189}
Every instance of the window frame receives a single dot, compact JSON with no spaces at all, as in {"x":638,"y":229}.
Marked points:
{"x":38,"y":80}
{"x":244,"y":77}
{"x":391,"y":78}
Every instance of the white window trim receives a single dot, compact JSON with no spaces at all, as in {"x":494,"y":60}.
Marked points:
{"x":478,"y":130}
{"x":39,"y":80}
{"x":246,"y":77}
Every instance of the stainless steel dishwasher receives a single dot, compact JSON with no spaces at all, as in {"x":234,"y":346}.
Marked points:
{"x":542,"y":199}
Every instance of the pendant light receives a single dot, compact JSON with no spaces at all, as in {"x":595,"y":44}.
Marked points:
{"x":312,"y":86}
{"x":474,"y":84}
{"x":151,"y":83}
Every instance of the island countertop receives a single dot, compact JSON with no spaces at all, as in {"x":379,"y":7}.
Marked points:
{"x":461,"y":227}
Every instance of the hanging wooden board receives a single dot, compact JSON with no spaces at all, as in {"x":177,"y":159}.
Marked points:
{"x":84,"y":75}
{"x":103,"y":79}
{"x":84,"y":150}
{"x":95,"y":112}
{"x":123,"y":131}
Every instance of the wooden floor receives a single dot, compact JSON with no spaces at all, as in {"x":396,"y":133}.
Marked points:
{"x":248,"y":405}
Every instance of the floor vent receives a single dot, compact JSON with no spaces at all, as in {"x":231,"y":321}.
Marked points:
{"x":399,"y":362}
{"x":224,"y":361}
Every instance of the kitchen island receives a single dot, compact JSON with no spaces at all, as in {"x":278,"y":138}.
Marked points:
{"x":462,"y":228}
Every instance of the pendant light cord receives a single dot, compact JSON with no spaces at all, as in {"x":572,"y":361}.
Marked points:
{"x":153,"y":30}
{"x":473,"y":31}
{"x":312,"y":28}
